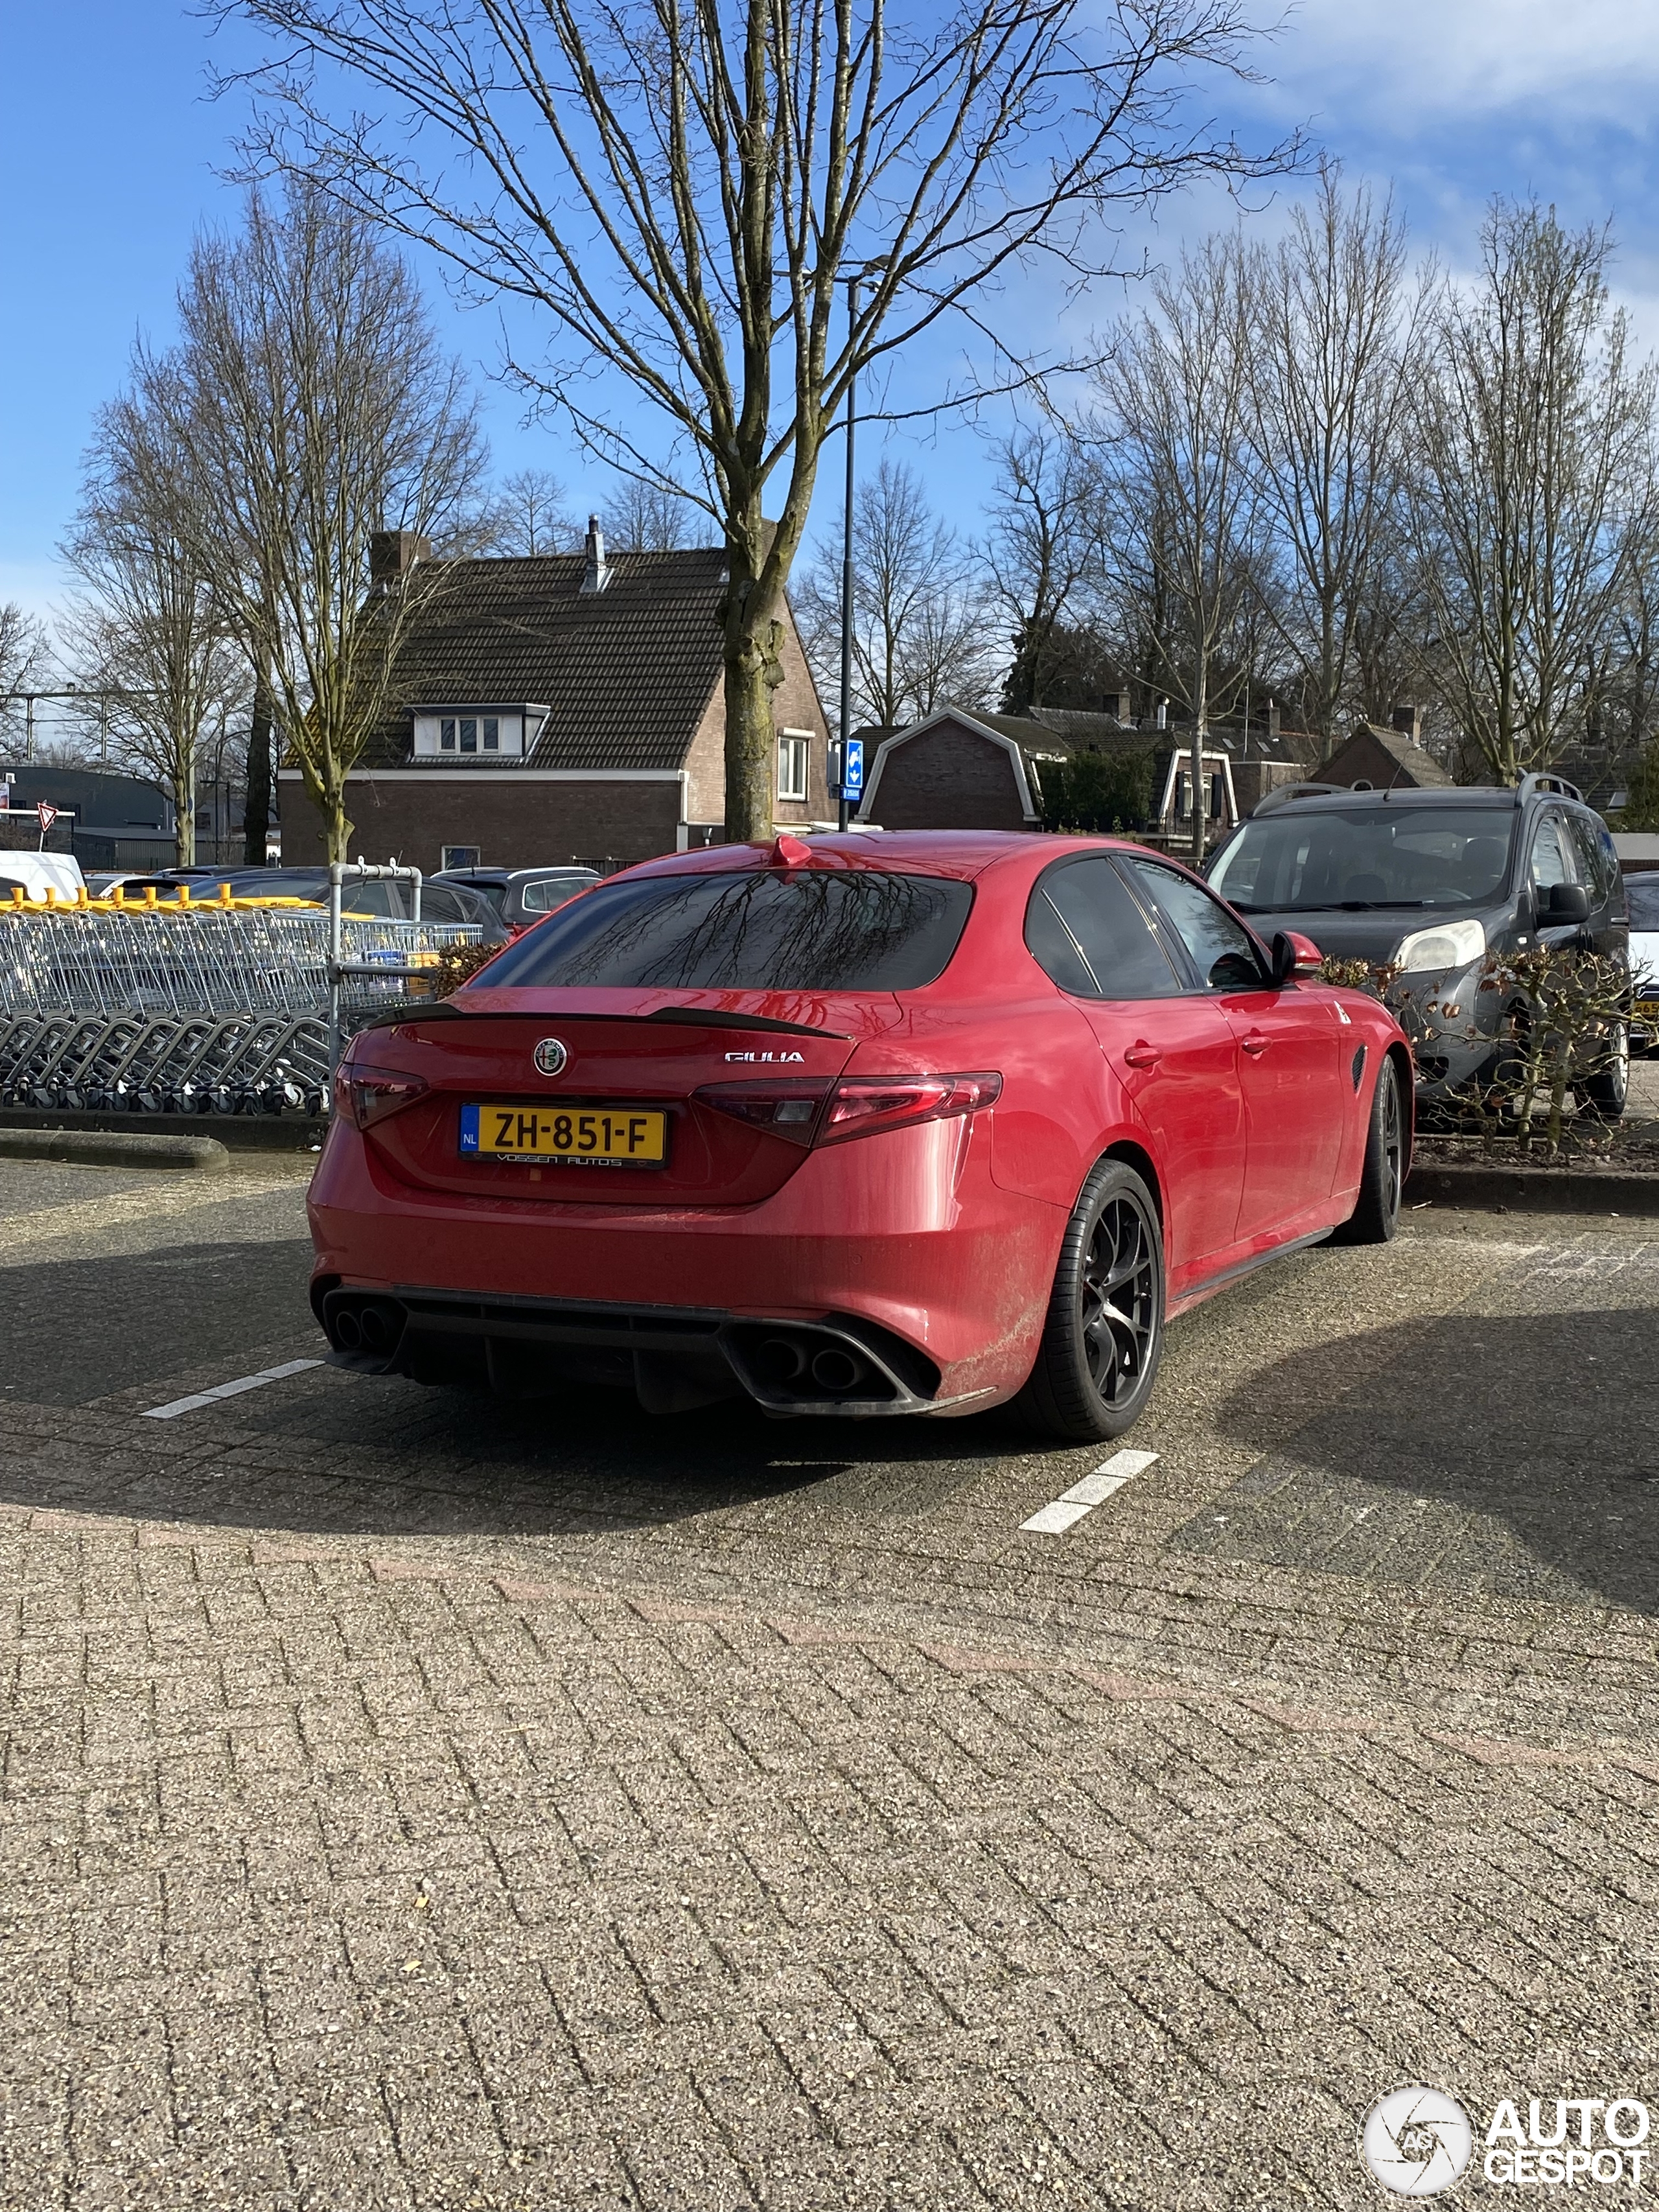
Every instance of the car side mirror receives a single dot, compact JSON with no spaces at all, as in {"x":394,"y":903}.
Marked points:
{"x":1294,"y":955}
{"x":1567,"y":902}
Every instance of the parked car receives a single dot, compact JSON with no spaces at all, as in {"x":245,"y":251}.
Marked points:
{"x":36,"y":873}
{"x":1431,"y":883}
{"x":372,"y":898}
{"x":1641,"y":898}
{"x":522,"y":895}
{"x":891,"y":1124}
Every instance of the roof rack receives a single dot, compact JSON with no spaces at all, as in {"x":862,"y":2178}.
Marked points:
{"x":1556,"y":784}
{"x":1286,"y":792}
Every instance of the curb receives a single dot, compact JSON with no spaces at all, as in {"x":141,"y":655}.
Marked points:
{"x":114,"y":1149}
{"x":239,"y":1132}
{"x":1536,"y":1190}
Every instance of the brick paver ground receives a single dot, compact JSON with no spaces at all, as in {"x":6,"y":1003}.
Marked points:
{"x":412,"y":1801}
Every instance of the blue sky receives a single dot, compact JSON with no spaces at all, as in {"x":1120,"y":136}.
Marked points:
{"x":110,"y":148}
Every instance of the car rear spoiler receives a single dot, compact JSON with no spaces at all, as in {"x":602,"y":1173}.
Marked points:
{"x":446,"y":1010}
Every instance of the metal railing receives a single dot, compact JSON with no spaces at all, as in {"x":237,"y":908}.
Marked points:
{"x":188,"y":1007}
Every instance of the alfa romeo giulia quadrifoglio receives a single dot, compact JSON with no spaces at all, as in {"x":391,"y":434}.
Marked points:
{"x":868,"y":1125}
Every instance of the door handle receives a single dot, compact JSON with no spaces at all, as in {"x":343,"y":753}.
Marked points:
{"x":1142,"y":1055}
{"x":1255,"y":1043}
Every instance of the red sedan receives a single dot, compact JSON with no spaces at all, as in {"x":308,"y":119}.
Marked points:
{"x":907,"y":1123}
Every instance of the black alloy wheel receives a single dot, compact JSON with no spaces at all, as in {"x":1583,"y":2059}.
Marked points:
{"x":1377,"y":1214}
{"x":1104,"y":1335}
{"x":1607,"y":1087}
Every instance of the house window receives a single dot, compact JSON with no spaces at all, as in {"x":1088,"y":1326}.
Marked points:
{"x":451,"y":733}
{"x":791,"y":765}
{"x":460,"y":856}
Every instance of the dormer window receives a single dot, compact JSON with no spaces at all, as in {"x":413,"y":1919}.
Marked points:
{"x":467,"y":734}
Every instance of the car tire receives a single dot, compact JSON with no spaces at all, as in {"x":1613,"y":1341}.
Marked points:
{"x":1099,"y":1353}
{"x":1607,"y":1088}
{"x":1376,"y":1215}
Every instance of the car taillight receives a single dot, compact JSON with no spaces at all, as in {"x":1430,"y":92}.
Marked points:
{"x":819,"y":1110}
{"x":366,"y":1096}
{"x":788,"y":1106}
{"x":861,"y":1104}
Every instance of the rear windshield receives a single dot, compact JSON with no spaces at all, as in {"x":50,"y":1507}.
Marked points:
{"x":807,"y":930}
{"x":1390,"y":855}
{"x":1643,"y":892}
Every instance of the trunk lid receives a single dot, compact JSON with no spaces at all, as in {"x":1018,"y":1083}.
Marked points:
{"x":644,"y":1052}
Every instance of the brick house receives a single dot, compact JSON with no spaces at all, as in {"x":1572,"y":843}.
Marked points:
{"x":560,"y":707}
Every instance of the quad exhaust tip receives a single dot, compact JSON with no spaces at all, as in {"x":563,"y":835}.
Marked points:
{"x":365,"y":1331}
{"x":825,"y":1367}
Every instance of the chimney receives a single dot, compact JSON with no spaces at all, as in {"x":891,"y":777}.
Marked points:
{"x":1161,"y":718}
{"x":1408,"y":720}
{"x":394,"y":553}
{"x":596,"y":574}
{"x":1273,"y":718}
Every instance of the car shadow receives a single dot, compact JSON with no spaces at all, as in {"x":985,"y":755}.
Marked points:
{"x":1513,"y":1455}
{"x":379,"y":1456}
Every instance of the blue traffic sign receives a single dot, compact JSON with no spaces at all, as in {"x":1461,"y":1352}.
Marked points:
{"x":852,"y":778}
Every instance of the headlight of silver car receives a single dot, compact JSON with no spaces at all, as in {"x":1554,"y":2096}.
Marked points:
{"x":1448,"y":945}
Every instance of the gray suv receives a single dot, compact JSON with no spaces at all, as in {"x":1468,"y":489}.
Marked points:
{"x":1433,"y":882}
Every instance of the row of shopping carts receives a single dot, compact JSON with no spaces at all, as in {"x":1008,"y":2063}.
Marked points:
{"x":195,"y":1011}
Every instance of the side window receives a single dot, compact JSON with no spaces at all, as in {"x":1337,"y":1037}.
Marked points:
{"x":1084,"y":931}
{"x":1553,"y":860}
{"x":1600,"y":877}
{"x":550,"y":892}
{"x":1220,"y":945}
{"x":381,"y":901}
{"x":440,"y":905}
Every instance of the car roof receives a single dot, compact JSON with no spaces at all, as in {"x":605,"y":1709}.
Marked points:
{"x":960,"y":853}
{"x":1498,"y":798}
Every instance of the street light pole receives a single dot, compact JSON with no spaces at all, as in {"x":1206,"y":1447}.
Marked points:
{"x":846,"y":571}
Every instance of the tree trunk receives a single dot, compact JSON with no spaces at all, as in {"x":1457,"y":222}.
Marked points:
{"x":336,"y":828}
{"x":183,"y":820}
{"x":256,"y":812}
{"x":1200,"y":716}
{"x":754,"y":669}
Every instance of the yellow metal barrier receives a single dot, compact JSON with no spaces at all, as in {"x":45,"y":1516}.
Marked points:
{"x":117,"y":903}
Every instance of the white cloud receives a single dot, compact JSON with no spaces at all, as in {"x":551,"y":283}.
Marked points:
{"x":1420,"y":60}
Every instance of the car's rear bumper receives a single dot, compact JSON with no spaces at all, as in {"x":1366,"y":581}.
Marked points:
{"x":898,"y":1250}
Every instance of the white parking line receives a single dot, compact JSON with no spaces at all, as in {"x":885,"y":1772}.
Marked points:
{"x":178,"y":1406}
{"x":1094,"y":1489}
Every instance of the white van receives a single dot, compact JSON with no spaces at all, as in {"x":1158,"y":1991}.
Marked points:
{"x":38,"y":873}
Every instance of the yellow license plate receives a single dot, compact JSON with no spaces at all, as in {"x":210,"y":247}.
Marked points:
{"x":567,"y":1136}
{"x":1647,"y":1010}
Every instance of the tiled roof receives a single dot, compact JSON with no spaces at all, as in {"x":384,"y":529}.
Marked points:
{"x":1425,"y":771}
{"x":626,"y":672}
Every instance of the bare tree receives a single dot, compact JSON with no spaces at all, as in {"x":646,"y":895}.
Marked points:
{"x":680,"y":191}
{"x":1329,"y":348}
{"x":24,"y":654}
{"x":918,"y":622}
{"x":530,"y":515}
{"x":1043,"y":553}
{"x":313,"y":410}
{"x":1175,"y":390}
{"x":150,"y":634}
{"x":1536,"y":497}
{"x":652,"y":518}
